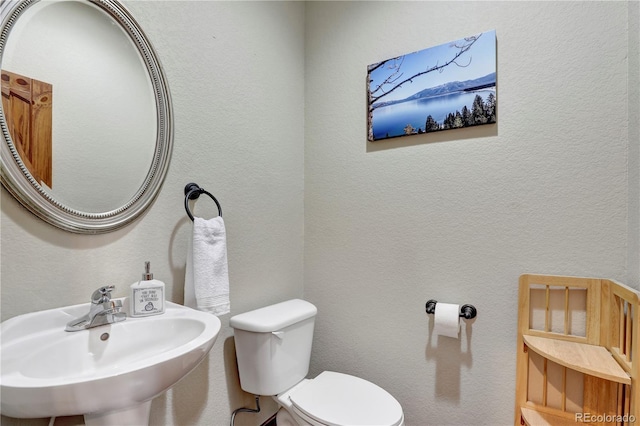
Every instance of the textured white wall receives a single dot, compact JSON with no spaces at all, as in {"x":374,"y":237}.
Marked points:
{"x":236,"y":75}
{"x":458,"y":216}
{"x":634,"y":144}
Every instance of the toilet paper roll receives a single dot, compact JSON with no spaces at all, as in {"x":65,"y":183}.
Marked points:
{"x":447,"y":320}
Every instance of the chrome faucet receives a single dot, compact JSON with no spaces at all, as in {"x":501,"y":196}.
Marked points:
{"x":103,"y":311}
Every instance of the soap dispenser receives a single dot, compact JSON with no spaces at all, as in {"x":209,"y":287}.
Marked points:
{"x":147,"y":295}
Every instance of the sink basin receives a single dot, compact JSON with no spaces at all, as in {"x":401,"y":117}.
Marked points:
{"x":108,"y":373}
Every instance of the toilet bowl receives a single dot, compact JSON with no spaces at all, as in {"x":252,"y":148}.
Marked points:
{"x":339,"y":399}
{"x":273,"y":347}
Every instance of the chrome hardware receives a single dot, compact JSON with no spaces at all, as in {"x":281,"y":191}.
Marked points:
{"x":103,"y":311}
{"x":103,"y":294}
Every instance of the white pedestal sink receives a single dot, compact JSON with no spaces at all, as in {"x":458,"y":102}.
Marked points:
{"x":108,"y":373}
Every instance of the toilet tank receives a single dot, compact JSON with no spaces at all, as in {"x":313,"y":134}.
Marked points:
{"x":273,"y":346}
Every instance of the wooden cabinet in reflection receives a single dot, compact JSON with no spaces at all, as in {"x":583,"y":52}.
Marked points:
{"x":27,"y":106}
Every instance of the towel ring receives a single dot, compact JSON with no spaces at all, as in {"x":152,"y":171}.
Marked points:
{"x":192,"y":192}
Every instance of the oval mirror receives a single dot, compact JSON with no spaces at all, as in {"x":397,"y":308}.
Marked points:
{"x":86,"y":114}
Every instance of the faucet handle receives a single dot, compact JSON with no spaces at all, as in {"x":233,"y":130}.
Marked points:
{"x":101,"y":295}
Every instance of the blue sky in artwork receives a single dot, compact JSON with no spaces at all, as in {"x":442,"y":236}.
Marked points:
{"x":481,"y":58}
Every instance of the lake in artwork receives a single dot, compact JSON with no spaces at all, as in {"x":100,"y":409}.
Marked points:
{"x":441,"y":88}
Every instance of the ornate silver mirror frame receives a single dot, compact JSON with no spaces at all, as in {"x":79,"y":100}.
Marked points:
{"x":18,"y":181}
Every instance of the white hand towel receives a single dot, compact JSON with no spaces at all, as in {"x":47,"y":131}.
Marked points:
{"x":189,"y":291}
{"x":206,"y":275}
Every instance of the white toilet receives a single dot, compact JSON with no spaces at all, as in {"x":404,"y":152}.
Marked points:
{"x":273,"y":346}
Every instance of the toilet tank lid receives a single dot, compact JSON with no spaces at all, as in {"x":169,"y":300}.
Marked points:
{"x":274,"y":317}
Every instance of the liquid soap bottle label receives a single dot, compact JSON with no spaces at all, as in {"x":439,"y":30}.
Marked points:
{"x":148,"y":301}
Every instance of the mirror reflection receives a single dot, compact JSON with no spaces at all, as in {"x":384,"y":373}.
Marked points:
{"x":103,"y":124}
{"x":26,"y":103}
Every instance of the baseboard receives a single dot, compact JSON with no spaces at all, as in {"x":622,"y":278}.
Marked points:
{"x":271,"y":421}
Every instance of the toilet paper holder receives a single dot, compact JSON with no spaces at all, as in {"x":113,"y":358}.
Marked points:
{"x":466,"y":311}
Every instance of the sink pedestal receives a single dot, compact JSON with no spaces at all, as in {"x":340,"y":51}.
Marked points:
{"x":138,"y":415}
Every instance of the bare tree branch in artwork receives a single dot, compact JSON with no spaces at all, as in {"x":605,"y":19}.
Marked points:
{"x":395,"y":81}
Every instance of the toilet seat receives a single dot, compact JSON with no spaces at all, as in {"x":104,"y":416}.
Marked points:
{"x":336,"y":399}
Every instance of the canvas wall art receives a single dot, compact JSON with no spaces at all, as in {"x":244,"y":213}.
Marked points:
{"x":445,"y":87}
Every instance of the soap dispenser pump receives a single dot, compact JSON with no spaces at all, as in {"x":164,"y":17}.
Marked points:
{"x":147,"y":295}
